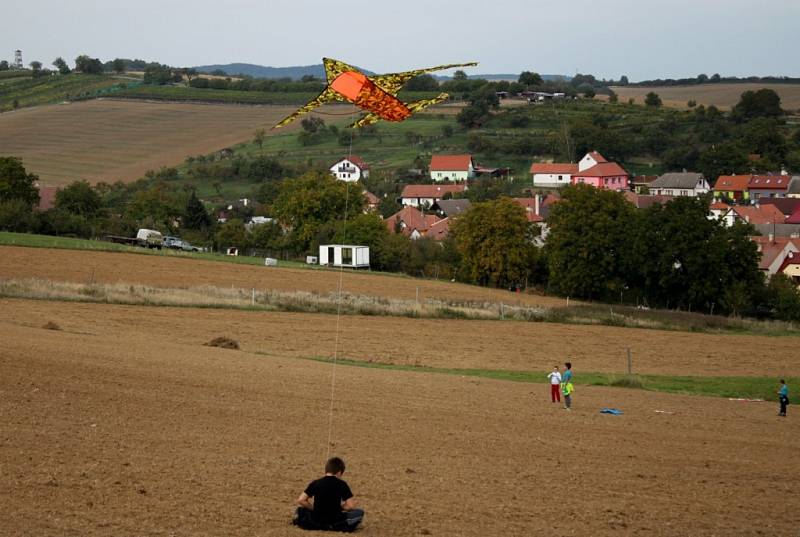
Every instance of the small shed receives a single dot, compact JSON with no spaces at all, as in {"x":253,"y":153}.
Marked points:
{"x":344,"y":255}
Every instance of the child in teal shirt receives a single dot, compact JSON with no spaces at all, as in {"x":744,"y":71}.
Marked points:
{"x":783,"y":398}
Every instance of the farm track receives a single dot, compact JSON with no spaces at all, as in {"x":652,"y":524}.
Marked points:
{"x":122,"y":423}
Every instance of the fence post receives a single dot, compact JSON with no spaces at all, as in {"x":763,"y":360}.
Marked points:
{"x":253,"y":301}
{"x":629,"y":361}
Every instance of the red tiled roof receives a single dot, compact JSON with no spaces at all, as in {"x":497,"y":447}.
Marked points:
{"x":604,"y":169}
{"x":643,"y":201}
{"x":439,"y":230}
{"x":794,"y":219}
{"x":791,"y":259}
{"x":358,"y":161}
{"x":779,"y":182}
{"x":412,"y":218}
{"x":47,"y":197}
{"x":719,"y":206}
{"x":771,"y":249}
{"x":554,"y":167}
{"x":787,"y":206}
{"x":732,"y":183}
{"x":450,"y":163}
{"x":430,"y":191}
{"x":600,"y":159}
{"x":371,"y":198}
{"x":764,"y":214}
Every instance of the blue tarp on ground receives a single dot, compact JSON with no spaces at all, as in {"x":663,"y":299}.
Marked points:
{"x":613,"y":411}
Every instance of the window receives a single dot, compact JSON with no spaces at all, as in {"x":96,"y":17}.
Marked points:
{"x":347,"y":256}
{"x":559,"y":177}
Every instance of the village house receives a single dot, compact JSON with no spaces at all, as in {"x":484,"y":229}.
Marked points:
{"x":768,"y":186}
{"x":788,"y":206}
{"x":791,"y":267}
{"x":717,"y":210}
{"x":641,"y":183}
{"x":602,"y":174}
{"x":451,"y":207}
{"x":756,"y":214}
{"x":452,"y":168}
{"x":680,"y":184}
{"x":411,"y":222}
{"x":552,"y":175}
{"x":47,"y":198}
{"x":427,"y":195}
{"x":732,"y":187}
{"x":774,"y":252}
{"x":372,"y":202}
{"x":351,"y":169}
{"x":643,"y":201}
{"x":794,"y":187}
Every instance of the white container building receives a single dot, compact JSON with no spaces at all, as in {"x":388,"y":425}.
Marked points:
{"x":344,"y":255}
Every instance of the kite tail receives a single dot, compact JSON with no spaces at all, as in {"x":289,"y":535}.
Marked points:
{"x":422,"y":104}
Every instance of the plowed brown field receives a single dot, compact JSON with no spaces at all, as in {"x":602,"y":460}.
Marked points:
{"x":120,"y":424}
{"x":123,"y":423}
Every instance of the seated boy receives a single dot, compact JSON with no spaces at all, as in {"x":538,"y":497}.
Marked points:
{"x":327,"y":503}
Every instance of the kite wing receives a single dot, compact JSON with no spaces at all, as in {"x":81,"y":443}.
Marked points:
{"x":369,"y":119}
{"x":327,"y":95}
{"x":334,"y":68}
{"x":392,"y":82}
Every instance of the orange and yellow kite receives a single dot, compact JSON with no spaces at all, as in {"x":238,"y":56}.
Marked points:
{"x":375,"y":94}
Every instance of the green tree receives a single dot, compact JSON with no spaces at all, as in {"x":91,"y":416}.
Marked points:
{"x":195,"y":215}
{"x":118,"y":65}
{"x":231,"y":234}
{"x":723,"y":159}
{"x":16,"y":183}
{"x":61,"y":65}
{"x":528,"y":78}
{"x":267,"y":236}
{"x":495,"y":242}
{"x":460,"y":75}
{"x":79,"y":198}
{"x":35,"y":66}
{"x":480,"y":104}
{"x":4,"y":65}
{"x":87,"y":65}
{"x":761,"y":103}
{"x":304,"y":204}
{"x":159,"y":75}
{"x":612,"y":97}
{"x":16,"y":216}
{"x":588,"y":247}
{"x":784,"y":298}
{"x":422,"y":83}
{"x":258,"y":138}
{"x":652,"y":99}
{"x":711,"y":267}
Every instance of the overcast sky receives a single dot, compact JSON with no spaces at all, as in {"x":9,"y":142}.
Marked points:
{"x":638,"y":38}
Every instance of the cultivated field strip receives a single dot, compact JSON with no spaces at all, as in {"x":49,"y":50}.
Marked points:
{"x":723,"y":96}
{"x":108,"y":140}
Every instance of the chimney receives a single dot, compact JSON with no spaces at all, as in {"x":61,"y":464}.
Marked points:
{"x":783,"y":171}
{"x":771,"y":238}
{"x":537,"y":201}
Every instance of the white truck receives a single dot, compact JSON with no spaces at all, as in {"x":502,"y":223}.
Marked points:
{"x":150,"y":238}
{"x":146,"y":238}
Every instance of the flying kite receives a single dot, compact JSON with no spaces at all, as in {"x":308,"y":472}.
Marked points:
{"x":375,"y":94}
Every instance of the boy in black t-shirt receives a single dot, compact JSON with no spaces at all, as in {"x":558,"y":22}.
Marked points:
{"x":328,"y":503}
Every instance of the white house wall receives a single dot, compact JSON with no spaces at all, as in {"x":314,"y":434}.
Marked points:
{"x":551,"y":179}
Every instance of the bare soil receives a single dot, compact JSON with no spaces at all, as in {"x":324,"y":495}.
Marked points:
{"x":502,"y":345}
{"x":119,"y":425}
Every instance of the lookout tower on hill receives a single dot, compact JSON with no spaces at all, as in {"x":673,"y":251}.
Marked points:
{"x":17,"y":59}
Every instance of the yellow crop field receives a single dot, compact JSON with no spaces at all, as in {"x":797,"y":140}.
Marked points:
{"x":723,"y":96}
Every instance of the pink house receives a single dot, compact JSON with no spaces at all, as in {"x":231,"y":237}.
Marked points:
{"x":595,"y":170}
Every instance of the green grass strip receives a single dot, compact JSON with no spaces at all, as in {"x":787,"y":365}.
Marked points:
{"x":736,"y":387}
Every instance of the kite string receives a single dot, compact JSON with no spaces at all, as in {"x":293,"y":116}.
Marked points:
{"x":338,"y":311}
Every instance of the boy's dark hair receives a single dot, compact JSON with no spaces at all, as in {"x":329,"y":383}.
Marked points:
{"x":334,"y":466}
{"x":568,"y":364}
{"x":783,"y":381}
